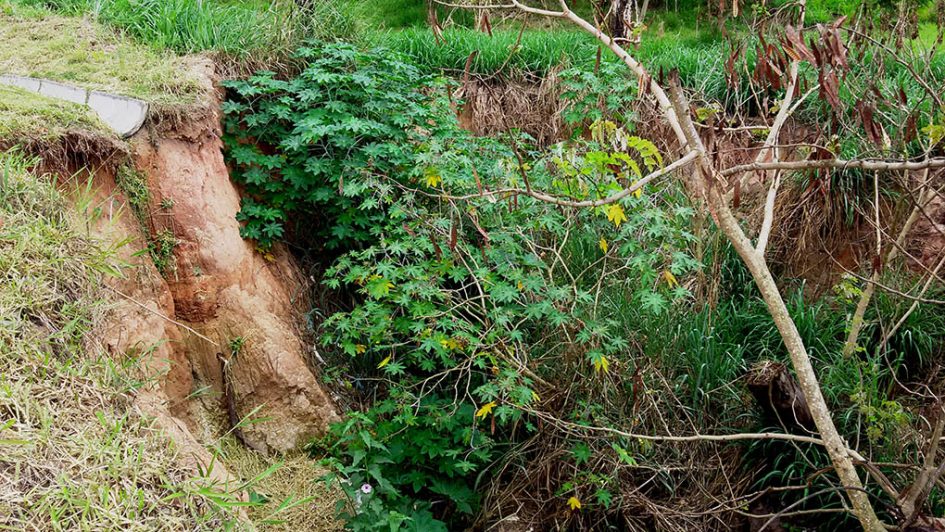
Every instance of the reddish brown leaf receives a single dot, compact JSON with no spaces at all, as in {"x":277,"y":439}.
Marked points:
{"x":794,"y":45}
{"x":873,"y":130}
{"x":830,"y":88}
{"x":731,"y":73}
{"x":818,"y":56}
{"x":910,"y":131}
{"x":839,"y":22}
{"x":453,"y":236}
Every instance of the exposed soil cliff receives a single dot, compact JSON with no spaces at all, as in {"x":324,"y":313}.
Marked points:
{"x":228,"y":291}
{"x":216,"y":301}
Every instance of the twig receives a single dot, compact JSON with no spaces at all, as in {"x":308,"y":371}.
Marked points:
{"x":162,"y":316}
{"x":557,"y":200}
{"x":860,"y":164}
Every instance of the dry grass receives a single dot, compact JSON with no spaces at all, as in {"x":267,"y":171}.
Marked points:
{"x":35,"y":42}
{"x":492,"y":106}
{"x":73,"y":454}
{"x":291,"y":495}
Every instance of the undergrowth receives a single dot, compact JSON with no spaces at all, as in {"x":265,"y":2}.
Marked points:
{"x":503,"y":349}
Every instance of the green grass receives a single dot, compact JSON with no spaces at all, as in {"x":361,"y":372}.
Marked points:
{"x":263,"y":33}
{"x":537,"y":53}
{"x":387,"y":14}
{"x":25,"y":114}
{"x":35,"y":42}
{"x":699,"y":56}
{"x":74,"y":455}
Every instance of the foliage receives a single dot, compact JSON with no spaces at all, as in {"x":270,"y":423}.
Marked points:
{"x":458,"y":288}
{"x":592,"y":95}
{"x":335,"y":141}
{"x":399,"y":461}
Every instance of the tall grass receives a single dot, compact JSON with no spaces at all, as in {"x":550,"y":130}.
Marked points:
{"x":537,"y":53}
{"x":265,"y":30}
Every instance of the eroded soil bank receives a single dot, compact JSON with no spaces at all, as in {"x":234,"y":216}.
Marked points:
{"x":216,"y":323}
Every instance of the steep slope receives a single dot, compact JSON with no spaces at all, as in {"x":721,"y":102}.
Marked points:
{"x":205,"y":327}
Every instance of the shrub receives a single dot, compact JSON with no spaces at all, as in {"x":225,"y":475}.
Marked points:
{"x":330,"y":145}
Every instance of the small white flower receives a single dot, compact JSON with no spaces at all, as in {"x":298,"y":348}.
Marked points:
{"x":366,"y":489}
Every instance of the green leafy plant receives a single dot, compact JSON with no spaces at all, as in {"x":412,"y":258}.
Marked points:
{"x":334,"y":141}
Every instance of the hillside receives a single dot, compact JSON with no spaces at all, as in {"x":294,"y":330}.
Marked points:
{"x":411,"y":265}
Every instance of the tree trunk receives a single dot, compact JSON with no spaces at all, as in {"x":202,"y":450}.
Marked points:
{"x":618,"y":18}
{"x":779,"y":395}
{"x":836,"y":447}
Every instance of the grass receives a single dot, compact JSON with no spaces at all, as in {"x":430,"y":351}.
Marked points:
{"x":376,"y":15}
{"x":74,"y":455}
{"x":35,"y":42}
{"x":26,"y":114}
{"x":290,"y":493}
{"x":263,"y":34}
{"x":698,"y":55}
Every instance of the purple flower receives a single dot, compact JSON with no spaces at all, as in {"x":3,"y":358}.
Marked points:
{"x":366,"y":489}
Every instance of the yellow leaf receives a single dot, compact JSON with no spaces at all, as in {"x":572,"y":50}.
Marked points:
{"x":670,"y":279}
{"x":433,"y":180}
{"x":602,"y":364}
{"x":603,"y":245}
{"x":535,"y":396}
{"x":638,"y":193}
{"x":574,"y":503}
{"x":449,"y":343}
{"x":615,"y":214}
{"x":360,"y":349}
{"x":520,"y":285}
{"x":485,"y":410}
{"x":384,"y":362}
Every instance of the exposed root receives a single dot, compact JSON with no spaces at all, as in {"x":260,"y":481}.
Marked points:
{"x":495,"y":105}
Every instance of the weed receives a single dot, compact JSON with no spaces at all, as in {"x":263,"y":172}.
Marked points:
{"x":161,"y":246}
{"x":236,"y":345}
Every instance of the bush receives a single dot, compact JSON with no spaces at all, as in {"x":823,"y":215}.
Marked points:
{"x":328,"y":146}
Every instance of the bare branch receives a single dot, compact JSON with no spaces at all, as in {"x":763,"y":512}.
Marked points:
{"x":565,"y":202}
{"x":855,"y":164}
{"x":768,"y":220}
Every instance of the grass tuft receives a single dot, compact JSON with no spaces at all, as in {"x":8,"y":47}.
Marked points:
{"x":25,"y":114}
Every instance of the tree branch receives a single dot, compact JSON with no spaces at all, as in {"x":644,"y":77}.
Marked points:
{"x":854,"y":164}
{"x":564,"y":202}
